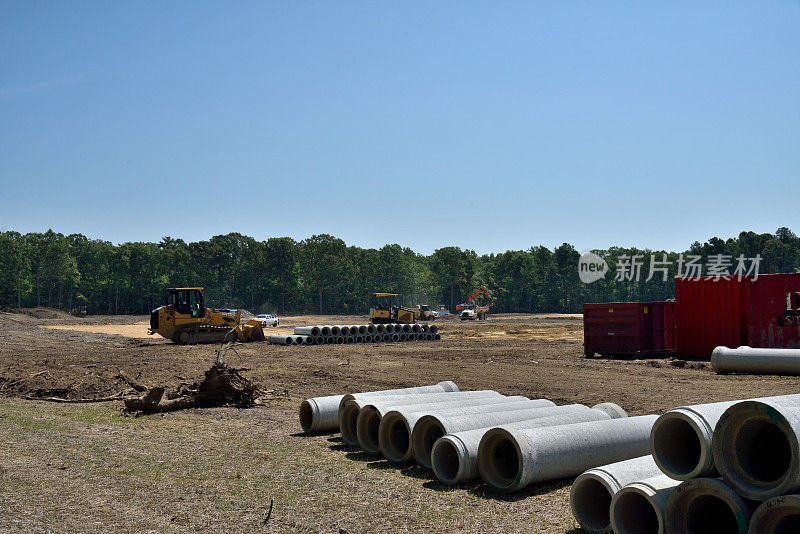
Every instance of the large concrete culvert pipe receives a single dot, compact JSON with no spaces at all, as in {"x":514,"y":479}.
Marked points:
{"x":308,"y":330}
{"x":756,"y":361}
{"x":416,"y":328}
{"x":704,"y":506}
{"x":439,"y":387}
{"x":336,"y":331}
{"x":370,"y":416}
{"x":388,"y":328}
{"x":681,"y":438}
{"x":454,"y":457}
{"x":350,"y":413}
{"x":325,"y":330}
{"x":780,"y":515}
{"x":429,"y":428}
{"x":394,"y":338}
{"x":344,"y":330}
{"x":279,"y":339}
{"x":397,"y":426}
{"x":639,"y":507}
{"x":509,"y":459}
{"x":433,"y":329}
{"x":380,"y":329}
{"x":591,"y":493}
{"x":756,"y":448}
{"x":319,"y":340}
{"x":371,"y":329}
{"x":406,"y":328}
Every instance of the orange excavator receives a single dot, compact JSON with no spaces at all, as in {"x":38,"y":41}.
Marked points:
{"x":471,"y":311}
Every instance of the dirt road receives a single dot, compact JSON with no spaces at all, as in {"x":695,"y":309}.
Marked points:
{"x":74,"y":467}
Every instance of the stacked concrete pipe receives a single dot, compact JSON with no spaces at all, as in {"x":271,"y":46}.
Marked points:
{"x":371,"y":413}
{"x":756,"y":361}
{"x":509,"y":459}
{"x":780,"y":515}
{"x":706,"y":505}
{"x":350,"y":412}
{"x":454,"y":457}
{"x":321,"y":414}
{"x":278,"y":339}
{"x":756,"y":447}
{"x":639,"y":507}
{"x":591,"y":494}
{"x":681,"y":438}
{"x":397,"y":426}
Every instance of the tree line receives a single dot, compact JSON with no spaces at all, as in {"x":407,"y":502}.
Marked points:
{"x":322,"y":274}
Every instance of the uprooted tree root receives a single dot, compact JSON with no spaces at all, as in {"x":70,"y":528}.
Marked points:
{"x":222,"y":385}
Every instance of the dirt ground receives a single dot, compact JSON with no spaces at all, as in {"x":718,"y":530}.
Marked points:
{"x":89,"y":467}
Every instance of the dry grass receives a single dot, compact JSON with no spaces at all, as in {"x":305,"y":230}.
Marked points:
{"x":89,"y":468}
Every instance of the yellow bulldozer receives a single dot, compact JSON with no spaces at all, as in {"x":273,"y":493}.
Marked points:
{"x":185,"y":320}
{"x":388,"y":308}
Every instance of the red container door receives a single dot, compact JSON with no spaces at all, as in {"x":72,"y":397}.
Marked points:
{"x":628,"y":327}
{"x":710,"y":313}
{"x":774,"y":315}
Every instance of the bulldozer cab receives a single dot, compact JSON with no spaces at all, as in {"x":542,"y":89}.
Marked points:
{"x":386,"y":301}
{"x":186,"y":300}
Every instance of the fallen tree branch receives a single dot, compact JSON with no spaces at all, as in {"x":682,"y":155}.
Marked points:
{"x":138,"y":386}
{"x":116,"y":396}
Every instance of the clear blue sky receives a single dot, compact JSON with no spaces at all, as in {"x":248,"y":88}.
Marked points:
{"x":491,"y":126}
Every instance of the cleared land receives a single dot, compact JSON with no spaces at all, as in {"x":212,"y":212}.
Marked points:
{"x":90,"y":467}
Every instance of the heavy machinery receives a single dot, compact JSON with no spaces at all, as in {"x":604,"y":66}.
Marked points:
{"x":471,"y":311}
{"x":425,"y":313}
{"x":186,"y":321}
{"x":388,"y":308}
{"x":78,"y":311}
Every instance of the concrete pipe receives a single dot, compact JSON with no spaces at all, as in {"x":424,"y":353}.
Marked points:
{"x":358,"y":339}
{"x":756,"y":361}
{"x":394,"y":338}
{"x":704,"y":505}
{"x":510,"y":459}
{"x":404,"y":337}
{"x":278,"y":339}
{"x":429,"y":428}
{"x":406,"y":328}
{"x":298,"y":340}
{"x":380,"y":329}
{"x":351,"y":412}
{"x":320,"y":414}
{"x":454,"y":457}
{"x":340,"y":340}
{"x":681,"y":439}
{"x":362,"y":329}
{"x":307,"y":330}
{"x":389,"y":328}
{"x":445,"y":386}
{"x":591,"y":494}
{"x":350,"y":340}
{"x":325,"y":330}
{"x":780,"y":515}
{"x":756,"y":448}
{"x":416,"y":328}
{"x":433,"y":328}
{"x":639,"y":507}
{"x":386,"y":338}
{"x":336,"y":330}
{"x":319,"y":341}
{"x":330,"y":340}
{"x":423,"y":328}
{"x":371,"y":329}
{"x":370,"y":416}
{"x":397,"y":426}
{"x":437,"y":337}
{"x":428,"y":337}
{"x":344,"y":330}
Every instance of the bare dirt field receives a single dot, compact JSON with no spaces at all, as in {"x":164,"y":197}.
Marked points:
{"x":91,"y":467}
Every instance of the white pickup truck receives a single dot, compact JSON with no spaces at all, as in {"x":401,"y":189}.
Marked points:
{"x":267,"y":320}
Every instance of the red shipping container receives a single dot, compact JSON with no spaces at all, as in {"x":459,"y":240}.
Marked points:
{"x":735,"y":312}
{"x":629,"y":328}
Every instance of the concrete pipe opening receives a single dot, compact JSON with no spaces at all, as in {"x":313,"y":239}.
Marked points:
{"x":349,"y":340}
{"x":370,"y":328}
{"x":433,"y":329}
{"x":446,"y":461}
{"x":319,"y":341}
{"x":335,"y":330}
{"x":677,"y":447}
{"x":426,"y":432}
{"x":380,"y":329}
{"x":590,"y":500}
{"x":395,"y":337}
{"x":709,"y":513}
{"x":325,"y":330}
{"x":344,"y":331}
{"x":406,"y":328}
{"x":777,"y":516}
{"x":340,"y":340}
{"x":367,"y":427}
{"x":395,"y":439}
{"x":635,"y":514}
{"x":437,"y":337}
{"x":500,"y":460}
{"x":389,"y":328}
{"x":403,"y":337}
{"x":762,"y":452}
{"x":362,"y":329}
{"x":416,"y":329}
{"x":704,"y":505}
{"x":306,"y":415}
{"x":348,"y":419}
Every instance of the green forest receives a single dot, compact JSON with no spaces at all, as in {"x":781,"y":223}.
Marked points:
{"x":322,"y":274}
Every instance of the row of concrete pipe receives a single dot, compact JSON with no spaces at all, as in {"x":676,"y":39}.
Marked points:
{"x":719,"y":467}
{"x":363,"y":333}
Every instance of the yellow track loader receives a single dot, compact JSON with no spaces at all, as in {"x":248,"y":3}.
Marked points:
{"x":186,"y":321}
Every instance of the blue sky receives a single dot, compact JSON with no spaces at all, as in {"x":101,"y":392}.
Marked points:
{"x":490,"y":126}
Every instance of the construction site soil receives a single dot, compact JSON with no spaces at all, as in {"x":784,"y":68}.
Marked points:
{"x":81,"y":466}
